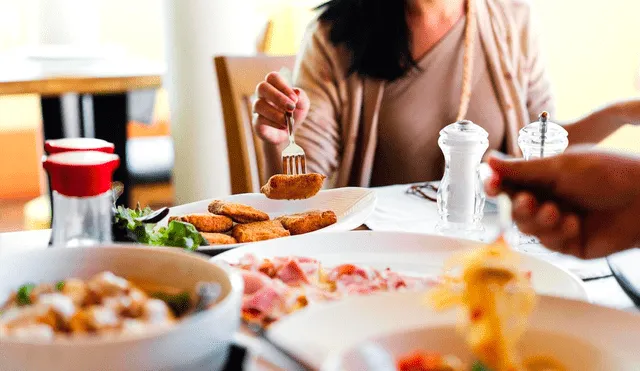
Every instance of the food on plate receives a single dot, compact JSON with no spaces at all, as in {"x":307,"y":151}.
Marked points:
{"x":431,"y":361}
{"x":218,"y":238}
{"x":238,"y":212}
{"x":129,"y":226}
{"x":308,"y":222}
{"x":105,"y":304}
{"x":293,"y":187}
{"x":259,"y":231}
{"x":206,"y":222}
{"x":495,"y":298}
{"x":278,"y":286}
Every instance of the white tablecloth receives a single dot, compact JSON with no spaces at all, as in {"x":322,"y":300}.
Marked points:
{"x":397,"y":210}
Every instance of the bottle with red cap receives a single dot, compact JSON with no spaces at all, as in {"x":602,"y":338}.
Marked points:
{"x":81,"y":192}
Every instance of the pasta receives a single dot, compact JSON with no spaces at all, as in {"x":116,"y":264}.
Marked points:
{"x":495,"y":299}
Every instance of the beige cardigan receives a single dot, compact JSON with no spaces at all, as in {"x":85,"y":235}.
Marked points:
{"x":339,"y":134}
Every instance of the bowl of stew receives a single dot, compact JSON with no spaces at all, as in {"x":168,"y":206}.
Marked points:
{"x":115,"y":308}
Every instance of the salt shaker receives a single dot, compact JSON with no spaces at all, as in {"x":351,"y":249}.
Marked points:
{"x":460,"y":194}
{"x":81,"y":192}
{"x":542,"y":138}
{"x":539,"y":139}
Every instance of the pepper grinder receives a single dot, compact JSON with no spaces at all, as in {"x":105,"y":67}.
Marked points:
{"x":460,"y":194}
{"x":540,"y":139}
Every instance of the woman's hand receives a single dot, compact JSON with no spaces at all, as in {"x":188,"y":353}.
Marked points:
{"x":604,"y":189}
{"x":275,"y":97}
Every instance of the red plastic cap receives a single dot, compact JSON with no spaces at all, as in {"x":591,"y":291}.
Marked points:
{"x":53,"y":146}
{"x":81,"y":173}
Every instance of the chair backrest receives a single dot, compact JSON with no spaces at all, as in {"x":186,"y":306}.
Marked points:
{"x":237,"y":80}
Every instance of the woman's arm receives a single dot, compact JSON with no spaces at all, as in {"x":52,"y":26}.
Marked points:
{"x":318,"y":133}
{"x":602,"y":122}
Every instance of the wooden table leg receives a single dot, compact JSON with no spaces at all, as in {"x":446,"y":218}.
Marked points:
{"x":110,"y":119}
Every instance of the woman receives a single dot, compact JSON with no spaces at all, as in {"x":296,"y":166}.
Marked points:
{"x":376,"y":80}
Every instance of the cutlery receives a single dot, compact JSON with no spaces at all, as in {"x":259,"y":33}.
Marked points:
{"x":625,"y":283}
{"x":293,"y":157}
{"x":261,"y":334}
{"x":155,"y":216}
{"x":208,"y":293}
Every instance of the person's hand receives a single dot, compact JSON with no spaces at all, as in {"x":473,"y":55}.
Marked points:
{"x":275,"y":97}
{"x":603,"y":190}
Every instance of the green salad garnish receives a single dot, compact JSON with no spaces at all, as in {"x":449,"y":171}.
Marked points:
{"x":128,"y":227}
{"x":23,"y":296}
{"x":179,"y":303}
{"x":60,"y":285}
{"x":479,"y":366}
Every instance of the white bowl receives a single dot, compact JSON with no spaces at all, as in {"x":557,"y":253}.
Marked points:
{"x":203,"y":335}
{"x":580,"y":335}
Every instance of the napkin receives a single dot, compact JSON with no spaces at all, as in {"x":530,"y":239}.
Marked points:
{"x":399,"y":211}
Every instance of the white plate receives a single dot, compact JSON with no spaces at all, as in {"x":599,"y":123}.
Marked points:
{"x":404,"y":252}
{"x":582,"y":336}
{"x":351,"y":205}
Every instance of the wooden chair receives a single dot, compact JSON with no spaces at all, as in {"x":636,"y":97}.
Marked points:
{"x":237,"y":80}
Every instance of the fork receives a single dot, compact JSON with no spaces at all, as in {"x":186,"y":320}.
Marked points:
{"x":293,"y":157}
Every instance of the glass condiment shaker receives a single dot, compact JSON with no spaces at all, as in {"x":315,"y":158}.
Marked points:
{"x":460,"y":194}
{"x":53,"y":146}
{"x":542,"y":138}
{"x":539,"y":139}
{"x":81,"y":191}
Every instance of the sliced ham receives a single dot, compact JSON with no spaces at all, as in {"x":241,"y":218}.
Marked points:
{"x":347,"y":270}
{"x":266,"y":300}
{"x":254,"y":281}
{"x":292,"y":274}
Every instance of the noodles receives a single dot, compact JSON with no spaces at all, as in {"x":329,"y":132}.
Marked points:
{"x":495,"y":299}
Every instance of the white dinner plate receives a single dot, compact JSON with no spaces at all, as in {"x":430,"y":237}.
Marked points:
{"x":416,"y":254}
{"x":352,"y":207}
{"x":409,"y":253}
{"x":580,"y":335}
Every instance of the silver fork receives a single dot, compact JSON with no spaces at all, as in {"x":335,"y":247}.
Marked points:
{"x":293,"y":158}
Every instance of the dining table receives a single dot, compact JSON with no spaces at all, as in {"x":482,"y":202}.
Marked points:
{"x":398,"y":210}
{"x":109,"y":80}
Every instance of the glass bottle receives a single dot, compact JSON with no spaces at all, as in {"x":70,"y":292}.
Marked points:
{"x":539,"y":139}
{"x":460,"y":195}
{"x":81,"y":191}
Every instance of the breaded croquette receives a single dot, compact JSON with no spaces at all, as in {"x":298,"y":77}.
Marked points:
{"x":237,"y":212}
{"x":293,"y":187}
{"x":218,"y":238}
{"x":308,"y":222}
{"x":206,"y":222}
{"x":259,"y":231}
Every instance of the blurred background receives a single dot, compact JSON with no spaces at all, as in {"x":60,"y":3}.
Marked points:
{"x":176,"y":146}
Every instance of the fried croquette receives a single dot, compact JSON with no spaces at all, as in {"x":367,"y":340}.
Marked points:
{"x":259,"y":231}
{"x":293,"y":187}
{"x":307,"y":222}
{"x":206,"y":222}
{"x":218,"y":238}
{"x":237,"y":212}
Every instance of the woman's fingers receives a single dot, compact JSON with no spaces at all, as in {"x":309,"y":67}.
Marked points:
{"x":274,"y":116}
{"x":274,"y":96}
{"x":259,"y":121}
{"x":278,"y":82}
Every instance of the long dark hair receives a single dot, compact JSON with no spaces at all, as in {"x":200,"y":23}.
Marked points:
{"x":375,"y":32}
